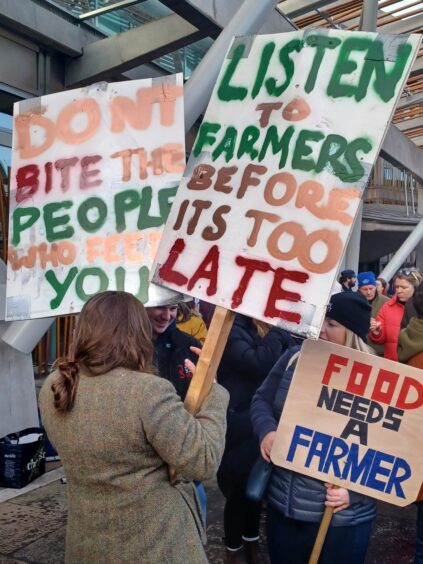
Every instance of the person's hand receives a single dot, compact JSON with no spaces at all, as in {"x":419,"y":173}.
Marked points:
{"x":188,"y":363}
{"x":266,"y":445}
{"x":336,"y":497}
{"x":375,"y":326}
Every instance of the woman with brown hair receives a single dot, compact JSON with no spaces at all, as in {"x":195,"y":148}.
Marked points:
{"x":117,"y":427}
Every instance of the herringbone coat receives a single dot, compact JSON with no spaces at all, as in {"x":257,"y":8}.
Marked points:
{"x":115,"y":445}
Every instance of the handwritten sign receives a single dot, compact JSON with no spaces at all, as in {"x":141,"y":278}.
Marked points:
{"x":354,"y":420}
{"x":94,"y":173}
{"x":277,"y":171}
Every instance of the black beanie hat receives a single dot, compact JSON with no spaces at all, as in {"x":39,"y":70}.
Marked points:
{"x":352,"y":311}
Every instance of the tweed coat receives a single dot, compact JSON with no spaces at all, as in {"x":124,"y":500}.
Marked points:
{"x":116,"y":444}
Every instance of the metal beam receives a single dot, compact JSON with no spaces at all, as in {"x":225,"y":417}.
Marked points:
{"x":294,"y":9}
{"x":418,"y":66}
{"x":406,"y":25}
{"x":108,"y":8}
{"x":408,"y":124}
{"x":368,"y":22}
{"x":418,"y":141}
{"x":406,"y":248}
{"x":222,"y":11}
{"x":410,"y":101}
{"x":368,"y":18}
{"x":122,"y":52}
{"x":46,"y":27}
{"x":198,"y":89}
{"x":192,"y":14}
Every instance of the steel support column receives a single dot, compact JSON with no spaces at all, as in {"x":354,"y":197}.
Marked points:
{"x":247,"y":20}
{"x":368,"y":22}
{"x":406,"y":248}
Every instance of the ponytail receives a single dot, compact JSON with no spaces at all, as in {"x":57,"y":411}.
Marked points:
{"x":64,"y":388}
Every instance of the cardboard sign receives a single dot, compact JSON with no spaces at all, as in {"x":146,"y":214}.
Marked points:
{"x":354,"y":420}
{"x":277,"y":171}
{"x":94,"y":173}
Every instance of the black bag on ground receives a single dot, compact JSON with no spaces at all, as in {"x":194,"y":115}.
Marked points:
{"x":258,"y":479}
{"x":22,"y":457}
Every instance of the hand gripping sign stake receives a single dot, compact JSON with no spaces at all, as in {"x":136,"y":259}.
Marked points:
{"x":211,"y":354}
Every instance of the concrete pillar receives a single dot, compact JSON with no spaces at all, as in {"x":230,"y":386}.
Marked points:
{"x":18,"y":404}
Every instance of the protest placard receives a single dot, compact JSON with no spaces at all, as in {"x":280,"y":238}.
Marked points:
{"x":277,"y":171}
{"x":94,"y":173}
{"x":353,"y":419}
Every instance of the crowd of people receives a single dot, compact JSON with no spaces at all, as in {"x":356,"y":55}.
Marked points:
{"x":114,"y":411}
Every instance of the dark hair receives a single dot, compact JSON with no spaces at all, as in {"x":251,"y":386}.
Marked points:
{"x":113,"y":330}
{"x":345,"y":274}
{"x":418,"y":300}
{"x":383,"y":282}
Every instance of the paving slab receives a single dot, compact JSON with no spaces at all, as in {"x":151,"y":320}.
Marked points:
{"x":50,"y":549}
{"x":21,"y":525}
{"x":51,"y":498}
{"x":33,"y":529}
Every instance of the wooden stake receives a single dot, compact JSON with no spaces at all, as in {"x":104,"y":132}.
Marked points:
{"x":321,"y":535}
{"x":208,"y":362}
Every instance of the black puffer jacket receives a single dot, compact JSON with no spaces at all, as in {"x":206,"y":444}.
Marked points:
{"x":246,"y":361}
{"x":171,"y":349}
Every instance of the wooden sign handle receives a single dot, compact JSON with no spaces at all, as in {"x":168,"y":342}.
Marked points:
{"x":321,"y":535}
{"x":208,"y":362}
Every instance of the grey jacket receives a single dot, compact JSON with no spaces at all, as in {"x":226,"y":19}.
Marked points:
{"x":296,"y":495}
{"x":116,"y":444}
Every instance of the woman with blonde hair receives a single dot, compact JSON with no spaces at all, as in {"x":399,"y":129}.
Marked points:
{"x":296,"y":502}
{"x":190,"y":321}
{"x":118,"y":427}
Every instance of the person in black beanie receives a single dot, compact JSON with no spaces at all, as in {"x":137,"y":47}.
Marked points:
{"x":296,"y":502}
{"x":347,"y":279}
{"x":353,"y":312}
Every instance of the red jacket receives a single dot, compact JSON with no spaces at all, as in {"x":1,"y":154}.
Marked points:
{"x":390,"y":316}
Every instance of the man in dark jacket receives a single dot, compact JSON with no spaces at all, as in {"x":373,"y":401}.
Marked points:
{"x":367,"y":288}
{"x":172,"y":347}
{"x":347,"y":279}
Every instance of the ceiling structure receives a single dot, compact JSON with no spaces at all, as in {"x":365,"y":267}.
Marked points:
{"x":394,"y":16}
{"x":130,"y":39}
{"x":112,"y":17}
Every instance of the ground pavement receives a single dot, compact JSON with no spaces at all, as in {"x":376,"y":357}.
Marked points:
{"x":32,"y":526}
